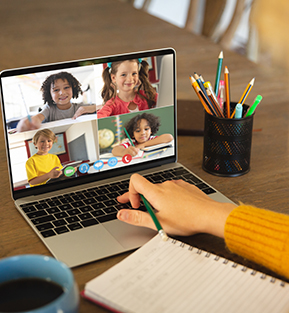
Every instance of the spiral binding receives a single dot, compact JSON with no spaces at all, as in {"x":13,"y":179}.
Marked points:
{"x":244,"y":269}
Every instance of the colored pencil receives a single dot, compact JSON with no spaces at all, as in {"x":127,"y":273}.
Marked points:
{"x":162,"y":233}
{"x":128,"y":136}
{"x":245,"y":94}
{"x":227,"y":90}
{"x":218,"y":74}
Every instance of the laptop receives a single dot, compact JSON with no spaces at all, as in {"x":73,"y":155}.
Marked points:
{"x":75,"y":214}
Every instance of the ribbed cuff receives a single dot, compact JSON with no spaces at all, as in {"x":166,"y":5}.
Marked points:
{"x":259,"y":235}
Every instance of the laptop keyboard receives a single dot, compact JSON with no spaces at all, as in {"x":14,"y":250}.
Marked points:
{"x":76,"y":210}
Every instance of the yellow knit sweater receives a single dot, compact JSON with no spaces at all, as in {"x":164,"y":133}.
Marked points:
{"x":259,"y":235}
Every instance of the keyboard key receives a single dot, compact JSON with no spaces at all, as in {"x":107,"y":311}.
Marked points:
{"x":77,"y":204}
{"x":44,"y":219}
{"x":53,"y":203}
{"x":123,"y":206}
{"x":113,"y":195}
{"x":60,"y":215}
{"x":36,"y":214}
{"x":29,"y":209}
{"x":78,"y":197}
{"x":89,"y":222}
{"x":85,"y":209}
{"x":73,"y":212}
{"x":41,"y":206}
{"x":113,"y":188}
{"x":209,"y":191}
{"x":65,"y":207}
{"x":74,"y":226}
{"x":110,"y":202}
{"x":101,"y":191}
{"x":202,"y":186}
{"x":89,"y":201}
{"x":97,"y":213}
{"x":66,"y":200}
{"x":107,"y":218}
{"x":110,"y":210}
{"x":59,"y":223}
{"x":101,"y":198}
{"x":48,"y":233}
{"x":52,"y":210}
{"x":90,"y":194}
{"x":72,"y":219}
{"x":85,"y":216}
{"x":98,"y":205}
{"x":61,"y":230}
{"x":44,"y":226}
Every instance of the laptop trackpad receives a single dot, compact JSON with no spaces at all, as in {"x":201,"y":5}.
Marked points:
{"x":129,"y":236}
{"x":87,"y":245}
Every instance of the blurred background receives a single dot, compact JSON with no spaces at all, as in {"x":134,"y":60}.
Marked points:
{"x":254,"y":28}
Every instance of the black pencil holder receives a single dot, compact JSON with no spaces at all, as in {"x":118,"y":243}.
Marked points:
{"x":227,"y":145}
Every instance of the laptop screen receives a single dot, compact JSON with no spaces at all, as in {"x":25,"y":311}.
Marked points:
{"x":81,"y":121}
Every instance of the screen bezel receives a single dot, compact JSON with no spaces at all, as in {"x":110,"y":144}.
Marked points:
{"x":16,"y":194}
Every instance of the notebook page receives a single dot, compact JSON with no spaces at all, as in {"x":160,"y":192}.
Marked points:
{"x":174,"y":277}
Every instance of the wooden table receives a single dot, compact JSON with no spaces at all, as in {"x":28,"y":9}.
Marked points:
{"x":50,"y":31}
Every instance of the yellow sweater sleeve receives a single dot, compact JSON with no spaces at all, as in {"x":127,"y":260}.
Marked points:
{"x":261,"y":236}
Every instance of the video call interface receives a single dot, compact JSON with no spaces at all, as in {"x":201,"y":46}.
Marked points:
{"x":86,"y":144}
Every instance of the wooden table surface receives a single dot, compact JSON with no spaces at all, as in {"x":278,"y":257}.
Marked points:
{"x":40,"y":32}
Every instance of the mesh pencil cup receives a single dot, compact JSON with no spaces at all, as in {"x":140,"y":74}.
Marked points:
{"x":227,"y":145}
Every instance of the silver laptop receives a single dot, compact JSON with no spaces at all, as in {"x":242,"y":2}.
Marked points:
{"x":75,"y":215}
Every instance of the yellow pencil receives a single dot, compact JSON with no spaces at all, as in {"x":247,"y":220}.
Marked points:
{"x":245,"y":94}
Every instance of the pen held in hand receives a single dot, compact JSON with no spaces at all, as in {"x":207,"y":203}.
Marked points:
{"x":162,"y":233}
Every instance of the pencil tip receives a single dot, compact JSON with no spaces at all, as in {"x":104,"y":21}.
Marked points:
{"x":221,"y":55}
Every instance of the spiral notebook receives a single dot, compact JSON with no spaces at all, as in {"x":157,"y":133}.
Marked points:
{"x":174,"y":277}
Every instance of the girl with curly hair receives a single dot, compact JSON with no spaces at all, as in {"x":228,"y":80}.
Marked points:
{"x":126,"y":88}
{"x":141,"y":129}
{"x":57,"y":92}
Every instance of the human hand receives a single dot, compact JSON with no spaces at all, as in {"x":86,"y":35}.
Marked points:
{"x":182,"y":208}
{"x":80,"y":111}
{"x":133,"y":151}
{"x":25,"y":124}
{"x":55,"y":173}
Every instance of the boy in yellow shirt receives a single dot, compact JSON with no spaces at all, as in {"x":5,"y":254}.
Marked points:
{"x":43,"y":166}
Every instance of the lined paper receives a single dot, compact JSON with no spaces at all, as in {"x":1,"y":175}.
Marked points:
{"x":174,"y":277}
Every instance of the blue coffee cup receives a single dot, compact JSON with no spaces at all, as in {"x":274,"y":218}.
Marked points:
{"x":46,"y":269}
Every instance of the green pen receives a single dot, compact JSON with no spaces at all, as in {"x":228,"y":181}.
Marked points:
{"x":128,"y":136}
{"x":254,"y":105}
{"x":162,"y":233}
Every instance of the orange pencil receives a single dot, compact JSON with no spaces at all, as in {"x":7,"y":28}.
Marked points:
{"x":227,"y":91}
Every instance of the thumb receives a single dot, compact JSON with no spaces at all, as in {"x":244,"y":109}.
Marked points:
{"x":136,"y":217}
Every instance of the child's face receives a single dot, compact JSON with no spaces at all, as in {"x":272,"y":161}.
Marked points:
{"x":43,"y":145}
{"x":61,"y":93}
{"x":126,"y":77}
{"x":142,"y":132}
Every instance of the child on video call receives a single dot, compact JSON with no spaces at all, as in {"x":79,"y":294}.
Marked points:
{"x":57,"y":92}
{"x":141,"y":129}
{"x":43,"y":166}
{"x":126,"y":88}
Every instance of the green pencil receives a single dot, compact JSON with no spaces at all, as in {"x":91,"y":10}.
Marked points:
{"x":162,"y":233}
{"x":218,"y":74}
{"x":128,"y":136}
